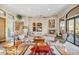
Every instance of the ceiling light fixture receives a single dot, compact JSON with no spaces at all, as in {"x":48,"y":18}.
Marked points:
{"x":49,"y":9}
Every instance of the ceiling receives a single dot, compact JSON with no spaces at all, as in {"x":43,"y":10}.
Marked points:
{"x":35,"y":9}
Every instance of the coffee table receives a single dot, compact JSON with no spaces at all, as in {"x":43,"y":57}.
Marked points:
{"x":38,"y":39}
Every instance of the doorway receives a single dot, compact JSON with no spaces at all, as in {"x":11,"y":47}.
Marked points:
{"x":19,"y":26}
{"x":2,"y":29}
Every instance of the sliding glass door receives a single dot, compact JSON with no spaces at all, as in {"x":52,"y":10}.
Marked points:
{"x":73,"y":30}
{"x":77,"y":31}
{"x":70,"y":30}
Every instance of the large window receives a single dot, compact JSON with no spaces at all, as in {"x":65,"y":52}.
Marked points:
{"x":37,"y":27}
{"x":77,"y":31}
{"x":10,"y":25}
{"x":73,"y":25}
{"x":62,"y":26}
{"x":73,"y":30}
{"x":70,"y":30}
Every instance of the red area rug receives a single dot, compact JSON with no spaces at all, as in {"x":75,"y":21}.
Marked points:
{"x":42,"y":53}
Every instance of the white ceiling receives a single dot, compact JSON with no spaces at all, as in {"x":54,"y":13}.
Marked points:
{"x":35,"y":9}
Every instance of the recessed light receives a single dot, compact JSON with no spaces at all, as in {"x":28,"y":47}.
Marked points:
{"x":49,"y":9}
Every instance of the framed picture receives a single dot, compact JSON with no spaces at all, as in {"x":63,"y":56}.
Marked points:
{"x":52,"y":23}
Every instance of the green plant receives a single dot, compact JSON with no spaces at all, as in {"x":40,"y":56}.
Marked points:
{"x":19,"y":17}
{"x":60,"y":38}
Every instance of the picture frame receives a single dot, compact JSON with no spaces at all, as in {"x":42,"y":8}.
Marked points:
{"x":51,"y":23}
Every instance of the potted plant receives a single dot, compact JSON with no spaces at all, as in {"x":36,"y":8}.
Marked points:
{"x":19,"y":17}
{"x":60,"y":38}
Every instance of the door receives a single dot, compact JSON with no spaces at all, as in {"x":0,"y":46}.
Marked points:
{"x":2,"y":29}
{"x":19,"y":26}
{"x":77,"y":31}
{"x":10,"y":27}
{"x":70,"y":30}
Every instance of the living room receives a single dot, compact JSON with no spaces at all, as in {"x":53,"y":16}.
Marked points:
{"x":39,"y":29}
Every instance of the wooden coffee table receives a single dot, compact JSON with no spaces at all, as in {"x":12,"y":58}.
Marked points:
{"x":38,"y":39}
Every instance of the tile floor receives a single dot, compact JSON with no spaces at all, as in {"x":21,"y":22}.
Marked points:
{"x":74,"y":50}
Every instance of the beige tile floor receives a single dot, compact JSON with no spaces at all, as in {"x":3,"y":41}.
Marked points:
{"x":74,"y":50}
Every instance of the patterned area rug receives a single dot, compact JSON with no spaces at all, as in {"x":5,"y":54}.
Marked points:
{"x":50,"y":53}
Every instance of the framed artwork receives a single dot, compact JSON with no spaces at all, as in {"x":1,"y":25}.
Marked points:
{"x":52,"y":23}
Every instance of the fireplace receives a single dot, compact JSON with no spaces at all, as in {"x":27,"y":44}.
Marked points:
{"x":51,"y":31}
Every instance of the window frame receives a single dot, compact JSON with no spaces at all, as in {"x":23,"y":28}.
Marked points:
{"x":36,"y":26}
